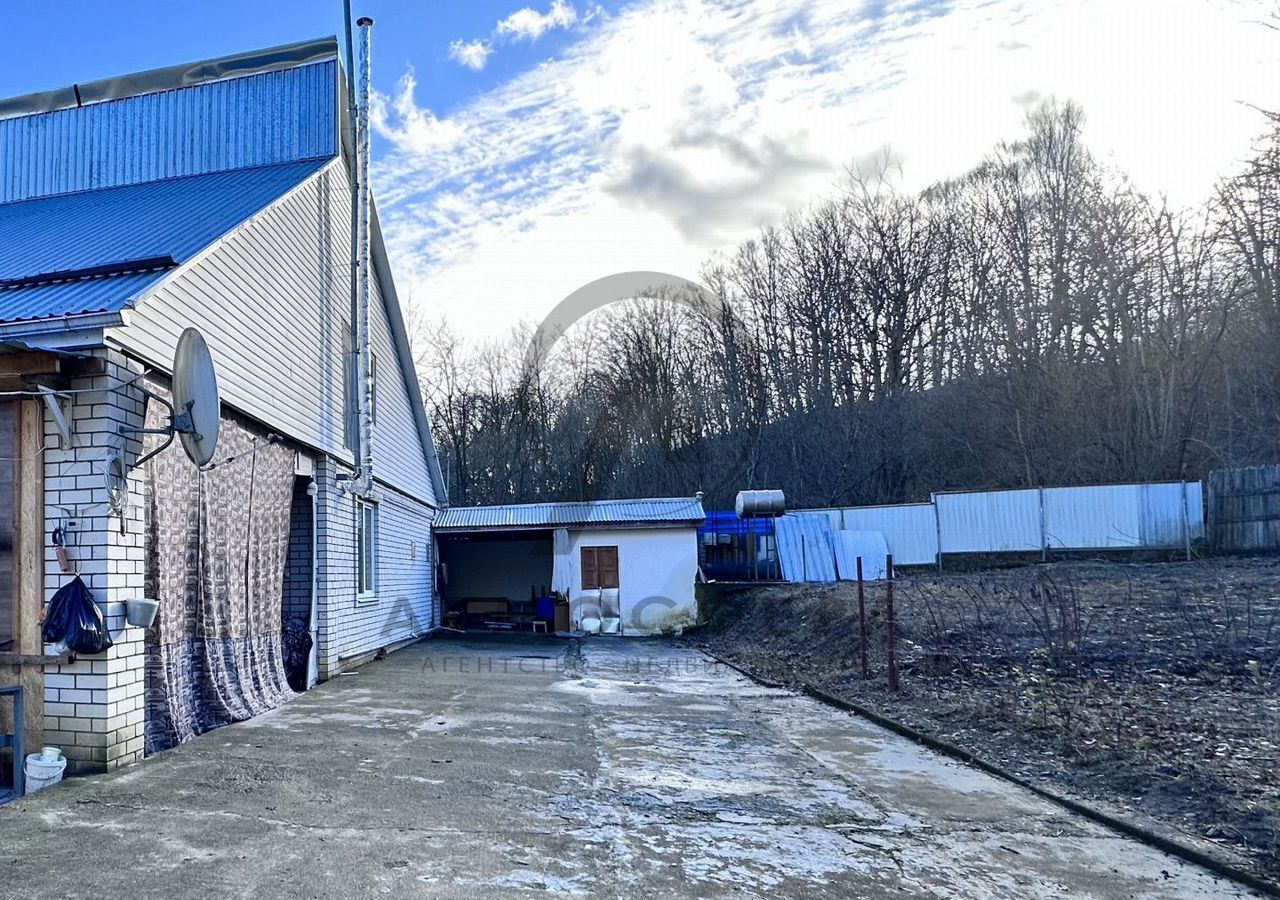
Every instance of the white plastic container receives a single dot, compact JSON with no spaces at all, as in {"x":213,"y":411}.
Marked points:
{"x":42,"y":772}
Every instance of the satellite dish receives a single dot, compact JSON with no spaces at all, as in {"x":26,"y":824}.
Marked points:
{"x":195,"y":396}
{"x":195,"y":413}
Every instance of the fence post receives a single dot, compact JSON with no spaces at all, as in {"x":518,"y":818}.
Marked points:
{"x":1186,"y":523}
{"x":862,"y":625}
{"x":937,"y":527}
{"x":1044,"y":538}
{"x":891,"y":644}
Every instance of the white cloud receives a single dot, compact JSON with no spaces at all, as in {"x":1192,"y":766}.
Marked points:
{"x":675,"y":128}
{"x":416,"y":131}
{"x":472,"y":54}
{"x":529,"y":24}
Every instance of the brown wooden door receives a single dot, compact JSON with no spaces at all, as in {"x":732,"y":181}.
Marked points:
{"x":22,"y":560}
{"x":599,"y":567}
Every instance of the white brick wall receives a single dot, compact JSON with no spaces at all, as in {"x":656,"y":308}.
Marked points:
{"x":93,"y":707}
{"x":405,"y":604}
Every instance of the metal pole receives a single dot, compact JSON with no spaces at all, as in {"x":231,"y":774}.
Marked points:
{"x":351,"y":66}
{"x":937,"y":527}
{"x":1044,"y":538}
{"x":862,"y":625}
{"x":1186,"y":521}
{"x":890,"y":638}
{"x":363,"y":275}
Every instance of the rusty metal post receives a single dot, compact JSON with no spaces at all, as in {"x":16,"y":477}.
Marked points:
{"x":891,"y":644}
{"x":862,"y":625}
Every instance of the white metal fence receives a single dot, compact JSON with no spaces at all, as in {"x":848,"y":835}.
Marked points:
{"x":1102,"y":517}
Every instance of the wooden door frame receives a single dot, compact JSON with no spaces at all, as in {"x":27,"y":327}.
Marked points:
{"x":28,"y":565}
{"x":582,"y":564}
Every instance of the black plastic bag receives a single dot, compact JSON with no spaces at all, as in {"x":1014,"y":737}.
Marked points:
{"x":74,"y":620}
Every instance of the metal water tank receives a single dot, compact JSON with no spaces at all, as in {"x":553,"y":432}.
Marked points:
{"x":759,"y":504}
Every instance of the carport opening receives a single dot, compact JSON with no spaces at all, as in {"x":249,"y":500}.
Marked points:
{"x":500,"y":581}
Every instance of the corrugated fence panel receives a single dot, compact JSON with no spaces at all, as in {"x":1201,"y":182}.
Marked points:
{"x":910,"y":530}
{"x":870,"y":546}
{"x":805,"y":547}
{"x":1074,"y":518}
{"x":1164,"y":520}
{"x":990,"y":522}
{"x":1093,"y":517}
{"x":257,"y":120}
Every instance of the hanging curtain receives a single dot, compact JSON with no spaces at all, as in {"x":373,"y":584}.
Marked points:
{"x":561,"y":563}
{"x":217,"y":543}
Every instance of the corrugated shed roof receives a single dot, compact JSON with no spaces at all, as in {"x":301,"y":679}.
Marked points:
{"x":176,"y":217}
{"x":602,"y":513}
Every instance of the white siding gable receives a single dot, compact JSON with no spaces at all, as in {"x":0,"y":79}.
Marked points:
{"x":273,"y":300}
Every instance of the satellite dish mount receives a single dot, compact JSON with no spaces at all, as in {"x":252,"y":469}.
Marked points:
{"x":195,"y":411}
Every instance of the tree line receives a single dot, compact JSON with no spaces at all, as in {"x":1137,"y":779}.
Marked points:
{"x":1037,"y":321}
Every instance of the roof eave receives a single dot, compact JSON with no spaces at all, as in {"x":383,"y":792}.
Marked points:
{"x":570,"y":526}
{"x":65,"y":328}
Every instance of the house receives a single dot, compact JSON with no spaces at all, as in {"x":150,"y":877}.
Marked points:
{"x":624,"y":566}
{"x":216,"y":196}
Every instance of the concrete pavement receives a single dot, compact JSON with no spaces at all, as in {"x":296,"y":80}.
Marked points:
{"x":535,"y":768}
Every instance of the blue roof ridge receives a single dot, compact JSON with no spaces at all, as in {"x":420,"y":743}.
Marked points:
{"x":169,"y":78}
{"x":168,"y":178}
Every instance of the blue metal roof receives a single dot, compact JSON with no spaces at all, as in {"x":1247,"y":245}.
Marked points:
{"x":176,"y":217}
{"x":685,"y":511}
{"x":262,"y":119}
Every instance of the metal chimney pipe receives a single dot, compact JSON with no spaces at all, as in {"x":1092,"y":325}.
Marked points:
{"x":363,"y":289}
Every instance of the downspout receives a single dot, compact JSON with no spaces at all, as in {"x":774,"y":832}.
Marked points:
{"x":313,"y":658}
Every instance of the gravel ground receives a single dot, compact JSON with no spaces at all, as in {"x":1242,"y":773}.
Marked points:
{"x":1149,"y":689}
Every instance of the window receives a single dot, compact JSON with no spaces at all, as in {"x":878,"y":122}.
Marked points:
{"x":366,"y":549}
{"x":599,"y":567}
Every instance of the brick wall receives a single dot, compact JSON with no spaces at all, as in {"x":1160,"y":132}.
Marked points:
{"x":405,"y":604}
{"x":93,"y":707}
{"x":297,"y":575}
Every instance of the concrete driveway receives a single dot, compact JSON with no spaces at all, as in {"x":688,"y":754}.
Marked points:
{"x":533,"y":769}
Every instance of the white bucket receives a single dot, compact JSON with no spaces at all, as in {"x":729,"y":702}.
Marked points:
{"x":141,"y":612}
{"x":42,"y":772}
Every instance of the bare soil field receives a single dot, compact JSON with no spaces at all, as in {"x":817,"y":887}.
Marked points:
{"x":1152,"y":690}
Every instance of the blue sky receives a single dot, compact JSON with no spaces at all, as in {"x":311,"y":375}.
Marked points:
{"x":80,"y":40}
{"x":526,"y":147}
